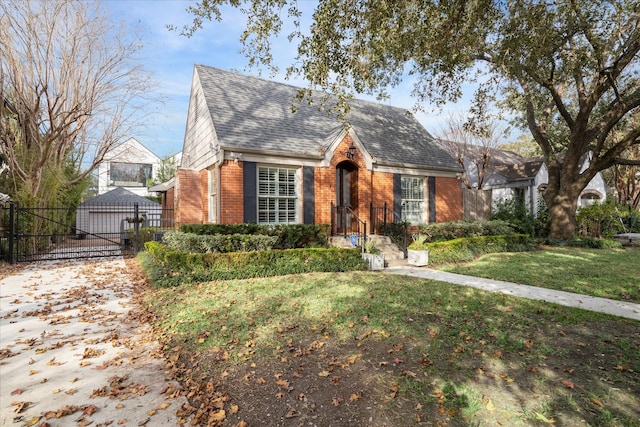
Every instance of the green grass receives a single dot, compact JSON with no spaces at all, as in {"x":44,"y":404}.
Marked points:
{"x":406,"y":348}
{"x":606,"y":273}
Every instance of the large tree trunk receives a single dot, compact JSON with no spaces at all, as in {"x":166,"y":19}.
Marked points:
{"x":562,"y":214}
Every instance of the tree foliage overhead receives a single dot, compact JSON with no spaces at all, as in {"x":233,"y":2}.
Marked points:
{"x":569,"y":68}
{"x":70,"y":86}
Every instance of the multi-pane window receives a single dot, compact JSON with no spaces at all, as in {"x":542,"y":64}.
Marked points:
{"x":277,"y":196}
{"x":130,"y":174}
{"x":413,"y":200}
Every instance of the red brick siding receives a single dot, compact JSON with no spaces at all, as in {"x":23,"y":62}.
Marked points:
{"x":188,"y":207}
{"x":231,"y":197}
{"x":448,"y":200}
{"x":372,"y":186}
{"x":204,"y":194}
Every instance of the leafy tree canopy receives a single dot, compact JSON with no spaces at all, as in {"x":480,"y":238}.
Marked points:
{"x":569,"y":68}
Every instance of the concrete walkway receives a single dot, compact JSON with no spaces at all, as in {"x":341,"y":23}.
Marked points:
{"x":617,"y":308}
{"x":74,"y":352}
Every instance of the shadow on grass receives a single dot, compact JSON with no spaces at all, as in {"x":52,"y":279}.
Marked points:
{"x":377,"y":349}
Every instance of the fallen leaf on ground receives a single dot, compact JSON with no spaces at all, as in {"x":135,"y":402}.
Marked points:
{"x":544,"y":419}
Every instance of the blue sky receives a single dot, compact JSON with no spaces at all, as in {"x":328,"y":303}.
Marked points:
{"x":170,"y":58}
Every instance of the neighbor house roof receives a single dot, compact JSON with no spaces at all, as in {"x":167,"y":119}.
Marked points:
{"x":254,"y":114}
{"x":119,"y":196}
{"x":526,"y":169}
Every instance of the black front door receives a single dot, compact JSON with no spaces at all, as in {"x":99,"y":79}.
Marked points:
{"x":346,"y":194}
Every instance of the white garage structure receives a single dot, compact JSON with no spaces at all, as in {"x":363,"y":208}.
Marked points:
{"x":109,"y":215}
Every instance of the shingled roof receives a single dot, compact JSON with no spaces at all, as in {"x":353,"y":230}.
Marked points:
{"x":254,"y":114}
{"x":119,"y":196}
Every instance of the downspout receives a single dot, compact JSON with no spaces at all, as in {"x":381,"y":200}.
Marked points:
{"x":219,"y":188}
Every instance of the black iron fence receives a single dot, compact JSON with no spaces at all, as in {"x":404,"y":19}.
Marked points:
{"x":386,"y":222}
{"x":98,"y":230}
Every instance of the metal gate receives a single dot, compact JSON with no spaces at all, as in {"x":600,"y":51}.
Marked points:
{"x":54,"y":233}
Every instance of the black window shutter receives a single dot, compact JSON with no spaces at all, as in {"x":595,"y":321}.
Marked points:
{"x":432,"y":198}
{"x":397,"y":193}
{"x":250,"y":192}
{"x":308,"y":190}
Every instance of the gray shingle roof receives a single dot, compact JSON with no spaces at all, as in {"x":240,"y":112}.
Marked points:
{"x":255,"y":114}
{"x":119,"y":196}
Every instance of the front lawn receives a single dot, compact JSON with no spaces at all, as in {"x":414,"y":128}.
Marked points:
{"x":372,"y":349}
{"x":606,"y":273}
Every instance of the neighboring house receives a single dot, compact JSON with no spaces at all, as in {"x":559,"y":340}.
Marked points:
{"x":128,"y":165}
{"x":512,"y":176}
{"x":106,"y":215}
{"x":248,"y":158}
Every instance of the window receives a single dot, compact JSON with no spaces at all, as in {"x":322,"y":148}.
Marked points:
{"x":130,"y":174}
{"x":277,"y":196}
{"x":589,"y":199}
{"x":413,"y":200}
{"x":213,"y":195}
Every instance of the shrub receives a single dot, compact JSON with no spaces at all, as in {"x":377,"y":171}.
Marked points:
{"x":145,"y":234}
{"x":585,"y":242}
{"x":600,"y":220}
{"x":467,"y":249}
{"x":437,"y":232}
{"x":515,"y":213}
{"x":168,"y":267}
{"x":218,"y":243}
{"x":288,"y":236}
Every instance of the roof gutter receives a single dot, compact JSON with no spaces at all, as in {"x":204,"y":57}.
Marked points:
{"x":318,"y":156}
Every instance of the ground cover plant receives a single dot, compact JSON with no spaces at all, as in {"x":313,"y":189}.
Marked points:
{"x":371,"y":349}
{"x":606,"y":273}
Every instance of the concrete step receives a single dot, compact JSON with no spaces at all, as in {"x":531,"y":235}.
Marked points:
{"x":383,"y":244}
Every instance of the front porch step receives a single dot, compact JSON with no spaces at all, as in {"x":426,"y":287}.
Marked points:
{"x":383,"y":243}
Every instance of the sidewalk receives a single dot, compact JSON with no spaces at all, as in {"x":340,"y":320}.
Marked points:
{"x":73,"y":352}
{"x":617,"y":308}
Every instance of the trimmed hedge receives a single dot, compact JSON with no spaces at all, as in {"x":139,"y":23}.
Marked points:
{"x":467,"y":249}
{"x":289,"y":236}
{"x":168,"y":267}
{"x":217,"y":243}
{"x":437,"y":232}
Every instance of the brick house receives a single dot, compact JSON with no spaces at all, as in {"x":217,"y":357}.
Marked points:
{"x":247,"y":157}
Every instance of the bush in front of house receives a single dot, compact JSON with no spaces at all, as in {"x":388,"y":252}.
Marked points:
{"x":218,"y":243}
{"x":145,"y":234}
{"x":606,"y":220}
{"x":584,"y":242}
{"x":467,"y":249}
{"x":288,"y":235}
{"x":438,"y":232}
{"x":169,"y":267}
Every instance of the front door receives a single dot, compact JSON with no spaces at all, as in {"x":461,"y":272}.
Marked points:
{"x":346,"y":194}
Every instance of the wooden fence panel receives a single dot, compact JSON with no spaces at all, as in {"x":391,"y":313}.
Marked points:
{"x":476,"y":204}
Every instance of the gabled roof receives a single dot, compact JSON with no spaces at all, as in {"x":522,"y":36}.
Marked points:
{"x":119,"y":196}
{"x":527,"y":168}
{"x":510,"y":165}
{"x":250,"y":113}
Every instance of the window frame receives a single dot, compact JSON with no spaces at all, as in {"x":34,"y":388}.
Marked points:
{"x":285,"y":208}
{"x":145,"y":171}
{"x":421,"y":201}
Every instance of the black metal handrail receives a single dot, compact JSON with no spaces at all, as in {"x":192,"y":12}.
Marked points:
{"x":346,"y":222}
{"x":381,"y":219}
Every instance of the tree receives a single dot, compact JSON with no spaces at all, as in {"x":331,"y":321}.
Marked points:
{"x":168,"y":167}
{"x":471,"y":143}
{"x":523,"y":146}
{"x":70,"y":87}
{"x":569,"y":68}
